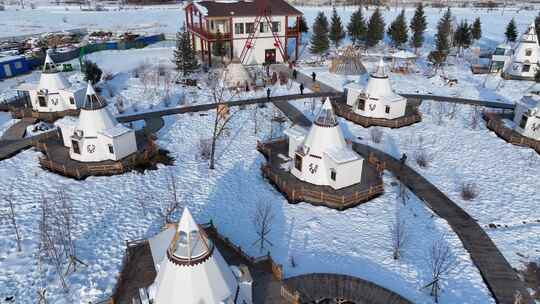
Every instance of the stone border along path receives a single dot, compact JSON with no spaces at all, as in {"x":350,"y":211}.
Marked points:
{"x":498,"y":275}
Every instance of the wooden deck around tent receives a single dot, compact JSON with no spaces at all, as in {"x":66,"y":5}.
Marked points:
{"x":495,"y":124}
{"x":56,"y":158}
{"x":297,"y":190}
{"x":412,"y":116}
{"x":44,"y":116}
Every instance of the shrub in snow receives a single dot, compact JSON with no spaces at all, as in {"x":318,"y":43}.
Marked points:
{"x":376,"y":135}
{"x":205,"y":148}
{"x":422,"y":158}
{"x":469,"y":191}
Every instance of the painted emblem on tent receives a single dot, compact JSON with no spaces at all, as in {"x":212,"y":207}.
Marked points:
{"x":535,"y":127}
{"x":515,"y":67}
{"x":313,"y":168}
{"x":91,"y":148}
{"x":372,"y":107}
{"x":54,"y":101}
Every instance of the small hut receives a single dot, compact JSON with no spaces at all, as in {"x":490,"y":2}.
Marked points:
{"x":97,"y":135}
{"x":236,"y":75}
{"x":527,"y":114}
{"x":403,"y":62}
{"x":347,"y":63}
{"x":53,"y":93}
{"x":322,"y":156}
{"x":524,"y":62}
{"x":501,"y":58}
{"x":377,"y":100}
{"x":191,"y":270}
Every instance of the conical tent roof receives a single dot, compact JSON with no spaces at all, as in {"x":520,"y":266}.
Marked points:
{"x":51,"y":78}
{"x":325,"y":134}
{"x":378,"y":86}
{"x":193,"y":271}
{"x":530,"y":35}
{"x":236,"y":75}
{"x":94,"y":116}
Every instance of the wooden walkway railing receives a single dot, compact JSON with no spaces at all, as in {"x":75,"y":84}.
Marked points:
{"x":346,"y":112}
{"x":495,"y":124}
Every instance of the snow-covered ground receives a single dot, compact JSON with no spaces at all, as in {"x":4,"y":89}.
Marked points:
{"x":110,"y":210}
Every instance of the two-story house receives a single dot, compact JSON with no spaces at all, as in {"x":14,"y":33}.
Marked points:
{"x":256,"y":32}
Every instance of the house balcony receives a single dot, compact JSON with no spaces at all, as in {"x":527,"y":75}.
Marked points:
{"x":208,"y":35}
{"x":292,"y":31}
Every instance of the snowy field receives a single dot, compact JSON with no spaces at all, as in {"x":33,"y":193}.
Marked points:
{"x":110,"y":210}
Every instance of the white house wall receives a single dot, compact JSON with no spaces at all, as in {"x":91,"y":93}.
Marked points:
{"x":92,"y":150}
{"x":377,"y":108}
{"x":346,"y":173}
{"x":124,"y":145}
{"x":57,"y":101}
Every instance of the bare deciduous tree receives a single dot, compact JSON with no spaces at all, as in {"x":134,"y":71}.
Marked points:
{"x":376,"y":134}
{"x":403,"y":194}
{"x":469,"y":191}
{"x":223,"y":115}
{"x":262,"y":221}
{"x":399,"y":232}
{"x":12,"y":218}
{"x":441,"y":262}
{"x":439,"y":113}
{"x":475,"y":117}
{"x":173,"y":201}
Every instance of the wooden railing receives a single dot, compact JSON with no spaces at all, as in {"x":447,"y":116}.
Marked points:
{"x":495,"y":124}
{"x":292,"y":31}
{"x":209,"y":35}
{"x":346,"y":112}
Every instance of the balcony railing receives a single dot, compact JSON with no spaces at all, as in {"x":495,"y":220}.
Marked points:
{"x":292,"y":31}
{"x":209,"y":35}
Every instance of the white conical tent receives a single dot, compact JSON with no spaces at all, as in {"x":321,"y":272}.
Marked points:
{"x":236,"y":75}
{"x":526,"y":54}
{"x":51,"y":78}
{"x":193,"y":271}
{"x":94,"y":116}
{"x":378,"y":86}
{"x":325,"y":133}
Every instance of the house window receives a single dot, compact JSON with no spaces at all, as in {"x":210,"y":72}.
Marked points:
{"x":18,"y":65}
{"x":276,"y":26}
{"x":298,"y":162}
{"x":387,"y":109}
{"x":111,"y":149}
{"x":75,"y":145}
{"x":72,"y":100}
{"x":333,"y":174}
{"x":263,"y":28}
{"x":361,"y":104}
{"x":526,"y":68}
{"x":238,"y":28}
{"x":42,"y":101}
{"x":250,"y":28}
{"x":211,"y":24}
{"x":528,"y":52}
{"x":523,"y":122}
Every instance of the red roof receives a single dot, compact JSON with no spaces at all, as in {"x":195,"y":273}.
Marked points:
{"x":248,"y":8}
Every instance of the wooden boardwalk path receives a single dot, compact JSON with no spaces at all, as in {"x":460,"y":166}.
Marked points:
{"x":499,"y":276}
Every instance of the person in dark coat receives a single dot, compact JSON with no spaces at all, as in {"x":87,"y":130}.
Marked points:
{"x":313,"y":76}
{"x":403,"y":160}
{"x":301,"y":89}
{"x":268,"y":93}
{"x":294,"y":74}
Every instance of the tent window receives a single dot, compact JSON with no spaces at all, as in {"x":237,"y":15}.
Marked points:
{"x":75,"y":145}
{"x":111,"y":149}
{"x":298,"y":162}
{"x":523,"y":122}
{"x":42,"y":101}
{"x":72,"y":100}
{"x":528,"y":52}
{"x":387,"y":109}
{"x":526,"y":68}
{"x":361,"y":104}
{"x":333,"y":174}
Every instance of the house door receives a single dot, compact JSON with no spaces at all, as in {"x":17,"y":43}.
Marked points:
{"x":270,"y":56}
{"x":7,"y":70}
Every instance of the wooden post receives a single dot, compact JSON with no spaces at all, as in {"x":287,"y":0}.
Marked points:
{"x":298,"y":37}
{"x":286,"y":39}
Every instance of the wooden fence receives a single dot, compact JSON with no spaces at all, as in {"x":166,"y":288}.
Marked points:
{"x":346,"y":112}
{"x":495,"y":124}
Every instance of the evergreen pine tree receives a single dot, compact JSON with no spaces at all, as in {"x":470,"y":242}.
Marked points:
{"x":511,"y":31}
{"x":303,"y":25}
{"x":337,"y":33}
{"x":218,"y":47}
{"x":92,"y":72}
{"x":375,"y":28}
{"x":319,"y":40}
{"x":476,"y":30}
{"x":418,"y":27}
{"x":463,"y":35}
{"x":444,"y":30}
{"x":398,"y":31}
{"x":184,"y":55}
{"x":357,"y":26}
